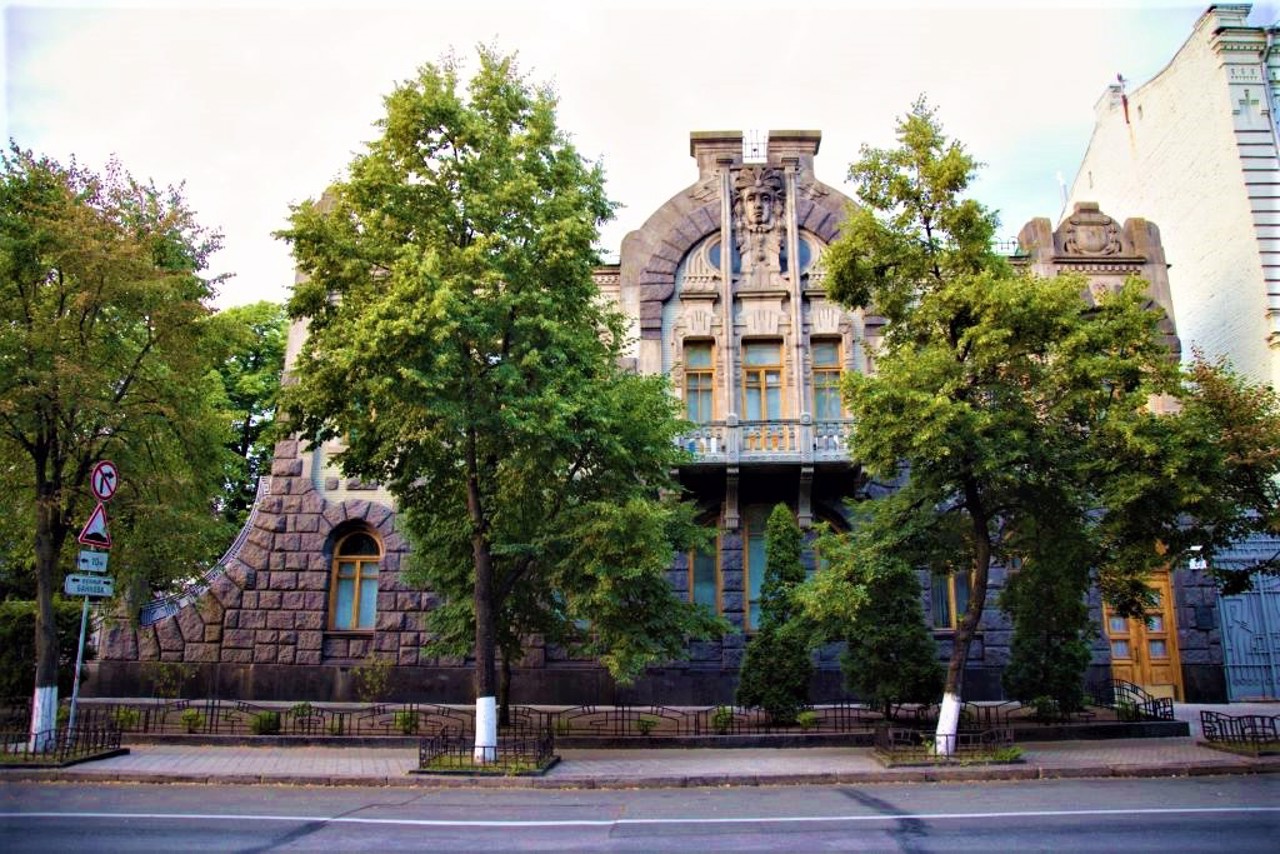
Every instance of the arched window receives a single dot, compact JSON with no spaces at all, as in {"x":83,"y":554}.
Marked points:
{"x":353,"y":590}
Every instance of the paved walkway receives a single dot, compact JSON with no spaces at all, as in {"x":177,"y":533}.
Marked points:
{"x":638,"y":768}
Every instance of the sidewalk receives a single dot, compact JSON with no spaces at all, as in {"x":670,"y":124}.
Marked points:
{"x":639,"y":768}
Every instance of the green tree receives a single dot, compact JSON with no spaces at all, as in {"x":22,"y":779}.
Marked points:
{"x":776,"y":668}
{"x":1010,"y":400}
{"x":253,"y":340}
{"x":460,"y":346}
{"x":1046,"y":597}
{"x":101,"y":357}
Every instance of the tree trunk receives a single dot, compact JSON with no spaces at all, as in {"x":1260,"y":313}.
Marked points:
{"x":49,"y":536}
{"x":486,"y":735}
{"x":952,"y":691}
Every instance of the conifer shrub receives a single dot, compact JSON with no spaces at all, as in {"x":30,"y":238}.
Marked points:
{"x":891,"y":657}
{"x":1049,"y":651}
{"x":776,"y":668}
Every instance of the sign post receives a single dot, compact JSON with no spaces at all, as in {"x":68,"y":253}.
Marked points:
{"x":103,"y":482}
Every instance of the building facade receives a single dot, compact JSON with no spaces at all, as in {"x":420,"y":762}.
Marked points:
{"x":1195,"y":149}
{"x":724,"y":287}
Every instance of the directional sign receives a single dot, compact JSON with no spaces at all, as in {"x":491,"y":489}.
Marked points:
{"x":95,"y":530}
{"x":104,"y":480}
{"x":89,"y":585}
{"x":92,"y":561}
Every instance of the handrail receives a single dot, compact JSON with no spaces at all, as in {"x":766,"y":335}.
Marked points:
{"x":166,"y":606}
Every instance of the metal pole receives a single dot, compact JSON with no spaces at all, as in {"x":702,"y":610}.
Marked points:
{"x":75,"y":684}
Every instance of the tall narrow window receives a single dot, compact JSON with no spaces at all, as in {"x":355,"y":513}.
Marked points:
{"x":762,"y":380}
{"x":826,"y":379}
{"x":950,"y":595}
{"x":704,"y":587}
{"x":354,"y":587}
{"x":699,"y":379}
{"x":756,"y":560}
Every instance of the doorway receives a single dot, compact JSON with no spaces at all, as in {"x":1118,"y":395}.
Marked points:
{"x":1145,"y":652}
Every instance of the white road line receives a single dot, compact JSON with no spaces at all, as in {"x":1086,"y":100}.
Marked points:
{"x":568,"y":823}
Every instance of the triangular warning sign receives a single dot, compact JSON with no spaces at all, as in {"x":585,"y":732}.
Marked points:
{"x":95,"y":530}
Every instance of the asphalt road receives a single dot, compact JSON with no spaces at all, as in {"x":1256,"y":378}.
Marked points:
{"x":1237,"y":814}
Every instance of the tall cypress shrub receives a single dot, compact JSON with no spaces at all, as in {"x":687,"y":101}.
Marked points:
{"x":775,"y":671}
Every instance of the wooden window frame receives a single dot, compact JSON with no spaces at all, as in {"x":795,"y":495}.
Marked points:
{"x":760,"y":372}
{"x":954,"y":616}
{"x":367,"y":567}
{"x":704,"y":374}
{"x":717,"y":606}
{"x":827,"y":376}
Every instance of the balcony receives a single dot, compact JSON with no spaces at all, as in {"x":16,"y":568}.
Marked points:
{"x":782,"y":441}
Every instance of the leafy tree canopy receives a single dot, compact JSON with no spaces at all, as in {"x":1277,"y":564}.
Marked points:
{"x":459,"y":345}
{"x":1010,"y":400}
{"x":102,"y":355}
{"x":252,"y":342}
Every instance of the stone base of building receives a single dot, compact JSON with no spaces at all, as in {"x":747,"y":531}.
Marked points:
{"x":567,"y":686}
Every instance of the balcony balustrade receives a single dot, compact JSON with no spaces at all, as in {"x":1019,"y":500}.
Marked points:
{"x":784,"y":440}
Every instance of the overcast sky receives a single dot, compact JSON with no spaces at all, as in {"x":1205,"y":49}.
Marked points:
{"x":259,"y":106}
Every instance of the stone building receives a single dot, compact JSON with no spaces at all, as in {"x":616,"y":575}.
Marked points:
{"x":724,"y":286}
{"x":1195,"y":149}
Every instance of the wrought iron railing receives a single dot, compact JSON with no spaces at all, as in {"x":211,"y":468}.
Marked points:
{"x":515,"y":755}
{"x":909,"y":744}
{"x":157,"y":609}
{"x":57,"y":746}
{"x":1255,"y":734}
{"x":1131,"y":702}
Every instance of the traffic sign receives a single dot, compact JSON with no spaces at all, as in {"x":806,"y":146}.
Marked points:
{"x":95,"y":530}
{"x":92,"y":561}
{"x":89,"y":585}
{"x":104,"y":480}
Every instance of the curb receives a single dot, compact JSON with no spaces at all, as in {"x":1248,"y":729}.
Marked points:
{"x":1014,"y":773}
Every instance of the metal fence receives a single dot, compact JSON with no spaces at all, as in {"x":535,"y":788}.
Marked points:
{"x":905,"y":744}
{"x":1255,"y":734}
{"x":456,"y":752}
{"x":56,"y":747}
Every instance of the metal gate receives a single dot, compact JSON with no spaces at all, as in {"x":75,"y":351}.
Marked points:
{"x":1251,"y":640}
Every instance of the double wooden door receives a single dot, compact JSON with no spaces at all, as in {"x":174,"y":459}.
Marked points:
{"x":1145,"y":652}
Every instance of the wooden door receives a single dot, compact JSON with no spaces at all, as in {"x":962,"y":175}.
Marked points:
{"x":1146,"y":652}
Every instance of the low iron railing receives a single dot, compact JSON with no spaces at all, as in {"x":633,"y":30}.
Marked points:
{"x":1255,"y":734}
{"x":909,"y":744}
{"x":1130,"y":702}
{"x":57,"y":746}
{"x":526,"y":754}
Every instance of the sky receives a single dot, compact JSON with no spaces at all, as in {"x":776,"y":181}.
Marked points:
{"x":259,"y":106}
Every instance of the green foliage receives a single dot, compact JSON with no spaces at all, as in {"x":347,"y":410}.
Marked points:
{"x":372,"y":677}
{"x":405,"y":721}
{"x":125,"y":718}
{"x":265,"y":723}
{"x":776,"y":668}
{"x":646,"y":725}
{"x":167,"y":678}
{"x":807,"y":719}
{"x":1014,"y":403}
{"x":192,"y":720}
{"x":890,"y":655}
{"x":18,"y":646}
{"x":458,"y":343}
{"x":722,"y":720}
{"x":1051,"y":628}
{"x":249,"y":342}
{"x":104,"y":357}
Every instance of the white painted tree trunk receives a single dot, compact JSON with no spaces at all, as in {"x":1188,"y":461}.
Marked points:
{"x":486,"y":746}
{"x":948,"y":721}
{"x":44,"y":716}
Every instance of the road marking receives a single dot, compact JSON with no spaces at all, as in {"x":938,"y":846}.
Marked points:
{"x":569,"y":823}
